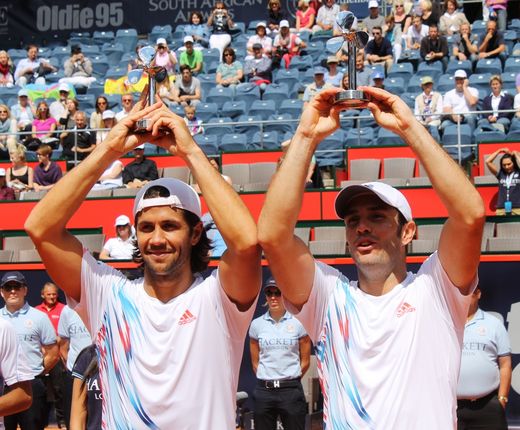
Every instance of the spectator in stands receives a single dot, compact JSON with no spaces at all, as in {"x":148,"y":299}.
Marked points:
{"x":230,"y":71}
{"x":394,"y":35}
{"x":6,"y":70}
{"x":47,"y":172}
{"x":452,"y":19}
{"x":315,"y":87}
{"x":220,"y":22}
{"x":378,"y":79}
{"x":434,"y":47}
{"x":363,"y":75}
{"x":190,"y":118}
{"x":508,"y":176}
{"x":497,"y":11}
{"x":58,"y":108}
{"x":401,"y":18}
{"x":374,"y":19}
{"x":326,"y":17}
{"x":485,"y":370}
{"x":191,"y":57}
{"x":39,"y":343}
{"x":496,"y":102}
{"x":109,"y":120}
{"x":32,"y":69}
{"x":305,"y":16}
{"x":43,"y":128}
{"x":416,"y":33}
{"x":333,"y":76}
{"x":67,"y":122}
{"x":197,"y":30}
{"x":112,"y":177}
{"x":463,"y":46}
{"x":120,"y":247}
{"x":6,"y":192}
{"x":20,"y":175}
{"x":259,"y":68}
{"x":127,"y":101}
{"x":78,"y":68}
{"x":379,"y":50}
{"x":459,"y":102}
{"x":187,"y":89}
{"x":345,"y":82}
{"x":164,"y":56}
{"x":491,"y":43}
{"x":135,"y":62}
{"x":7,"y":131}
{"x":275,"y":15}
{"x":262,"y":38}
{"x":429,"y":16}
{"x":429,"y":107}
{"x":140,"y":171}
{"x":286,"y":45}
{"x":96,"y":118}
{"x":164,"y":87}
{"x":23,"y":112}
{"x":82,"y":141}
{"x":517,"y":98}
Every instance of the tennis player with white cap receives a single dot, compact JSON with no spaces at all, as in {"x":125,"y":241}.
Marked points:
{"x":170,"y":344}
{"x":389,"y":344}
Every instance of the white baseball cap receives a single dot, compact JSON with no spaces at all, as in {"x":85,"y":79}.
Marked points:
{"x":64,"y":87}
{"x":372,"y":3}
{"x":188,"y":39}
{"x":161,"y":41}
{"x":2,"y":171}
{"x":181,"y":195}
{"x":108,"y":114}
{"x":122,"y":220}
{"x":261,"y":24}
{"x":140,"y":146}
{"x":388,"y":194}
{"x":284,"y":23}
{"x":460,"y":74}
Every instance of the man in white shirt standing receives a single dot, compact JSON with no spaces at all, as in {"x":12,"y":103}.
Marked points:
{"x":392,"y":337}
{"x":170,"y":344}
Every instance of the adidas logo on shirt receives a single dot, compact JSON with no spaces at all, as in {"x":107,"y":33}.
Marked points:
{"x":187,"y":317}
{"x":403,"y":309}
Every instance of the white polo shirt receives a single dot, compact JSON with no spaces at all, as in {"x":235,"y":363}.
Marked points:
{"x":13,"y":363}
{"x":458,"y":102}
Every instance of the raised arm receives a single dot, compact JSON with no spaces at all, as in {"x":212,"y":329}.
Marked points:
{"x":459,"y":246}
{"x":284,"y":200}
{"x":490,"y":160}
{"x":239,"y":269}
{"x":61,"y":252}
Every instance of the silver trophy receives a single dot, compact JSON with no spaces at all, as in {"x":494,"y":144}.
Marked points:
{"x":351,"y":40}
{"x":146,"y":55}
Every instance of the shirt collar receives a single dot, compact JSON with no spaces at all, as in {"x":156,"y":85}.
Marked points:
{"x":499,"y":96}
{"x":479,"y":315}
{"x":22,"y":311}
{"x":286,"y":316}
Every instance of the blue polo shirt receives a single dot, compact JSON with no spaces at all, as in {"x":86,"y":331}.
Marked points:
{"x":279,"y":344}
{"x":71,"y":327}
{"x":34,"y":330}
{"x":485,"y":339}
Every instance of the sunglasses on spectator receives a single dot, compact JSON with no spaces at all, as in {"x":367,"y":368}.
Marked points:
{"x":3,"y":111}
{"x":273,"y":293}
{"x":228,"y":55}
{"x":127,"y":100}
{"x":101,"y":103}
{"x":15,"y":287}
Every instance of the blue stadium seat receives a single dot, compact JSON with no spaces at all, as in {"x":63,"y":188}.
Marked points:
{"x":445,"y":83}
{"x":432,"y":70}
{"x":450,"y":140}
{"x":510,"y":37}
{"x":102,"y":37}
{"x":480,"y":81}
{"x":276,"y":92}
{"x":221,"y":126}
{"x":395,"y":85}
{"x":127,"y":37}
{"x":90,"y":50}
{"x":99,"y":65}
{"x":61,"y":53}
{"x":489,"y":65}
{"x":54,"y":77}
{"x":114,"y":52}
{"x":456,"y":65}
{"x":360,"y":137}
{"x":301,"y":62}
{"x":347,"y":118}
{"x":289,"y":77}
{"x":115,"y":72}
{"x":219,"y":95}
{"x":485,"y":135}
{"x":211,"y":54}
{"x":86,"y":101}
{"x":282,"y":123}
{"x":161,"y":31}
{"x":331,"y":150}
{"x":515,"y":51}
{"x":263,"y":108}
{"x":233,"y":142}
{"x":513,"y":135}
{"x":509,"y":77}
{"x":414,"y":84}
{"x":293,"y":107}
{"x":207,"y":83}
{"x":386,"y":137}
{"x":238,"y":30}
{"x":478,"y":27}
{"x":409,"y":99}
{"x":211,"y":67}
{"x":369,"y":121}
{"x":266,"y":140}
{"x":512,"y":65}
{"x":208,"y":144}
{"x":234,"y":108}
{"x":205,"y":111}
{"x":404,"y":70}
{"x":248,"y":93}
{"x":250,"y":125}
{"x":77,"y":38}
{"x":96,"y":89}
{"x":315,"y":49}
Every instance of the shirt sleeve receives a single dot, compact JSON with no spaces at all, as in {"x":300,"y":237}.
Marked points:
{"x":502,"y":340}
{"x":312,"y":314}
{"x":13,"y":364}
{"x":82,"y":362}
{"x":47,"y":333}
{"x":63,"y":325}
{"x":253,"y":330}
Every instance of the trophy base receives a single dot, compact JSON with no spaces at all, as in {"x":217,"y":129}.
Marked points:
{"x":352,"y":98}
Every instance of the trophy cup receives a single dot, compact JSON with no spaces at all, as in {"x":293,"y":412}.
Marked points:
{"x":353,"y":40}
{"x":146,"y":56}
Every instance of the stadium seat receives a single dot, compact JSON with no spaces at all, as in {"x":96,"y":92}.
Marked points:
{"x":234,"y":109}
{"x":368,"y":120}
{"x":480,"y":81}
{"x":403,"y":70}
{"x":233,"y":142}
{"x":331,"y":150}
{"x":248,"y":93}
{"x":301,"y":62}
{"x":262,"y":172}
{"x":219,"y":95}
{"x":446,"y":83}
{"x":99,"y":65}
{"x":478,"y":27}
{"x":510,"y":37}
{"x":360,"y":137}
{"x":6,"y":256}
{"x":263,"y":108}
{"x":277,"y":92}
{"x":86,"y":101}
{"x":450,"y":141}
{"x":506,"y":244}
{"x":208,"y":144}
{"x":293,"y":107}
{"x":61,"y":53}
{"x":508,"y":229}
{"x":102,"y":37}
{"x":211,"y":54}
{"x":90,"y":50}
{"x":462,"y":65}
{"x":249,"y":125}
{"x":328,"y":247}
{"x":161,"y":31}
{"x":289,"y":77}
{"x":127,"y":37}
{"x":115,"y":72}
{"x":348,"y":118}
{"x":512,"y":65}
{"x":489,"y":65}
{"x":395,"y":85}
{"x":399,"y":167}
{"x":281,"y":123}
{"x":266,"y":140}
{"x":206,"y":110}
{"x":515,"y":51}
{"x":218,"y":126}
{"x":414,"y":84}
{"x":181,"y":173}
{"x":481,"y":135}
{"x":432,"y":70}
{"x":365,"y":169}
{"x":386,"y":137}
{"x":239,"y":173}
{"x":315,"y":49}
{"x":409,"y":99}
{"x":114,"y":52}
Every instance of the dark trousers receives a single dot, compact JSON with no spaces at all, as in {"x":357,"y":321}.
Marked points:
{"x":34,"y":417}
{"x":67,"y":396}
{"x":287,"y":402}
{"x":485,"y":413}
{"x":55,"y":392}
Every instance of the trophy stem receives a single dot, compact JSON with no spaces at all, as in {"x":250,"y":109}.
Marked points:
{"x":151,"y":90}
{"x":352,"y":72}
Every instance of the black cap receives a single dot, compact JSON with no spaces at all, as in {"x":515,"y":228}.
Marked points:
{"x":257,"y":46}
{"x":13,"y":277}
{"x":271,"y":283}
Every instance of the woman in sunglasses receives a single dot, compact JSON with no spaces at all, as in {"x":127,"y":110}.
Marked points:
{"x":96,"y":118}
{"x":280,"y":355}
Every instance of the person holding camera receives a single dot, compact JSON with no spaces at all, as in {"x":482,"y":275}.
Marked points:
{"x":164,"y":57}
{"x":78,"y":68}
{"x":286,"y":45}
{"x":220,"y":23}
